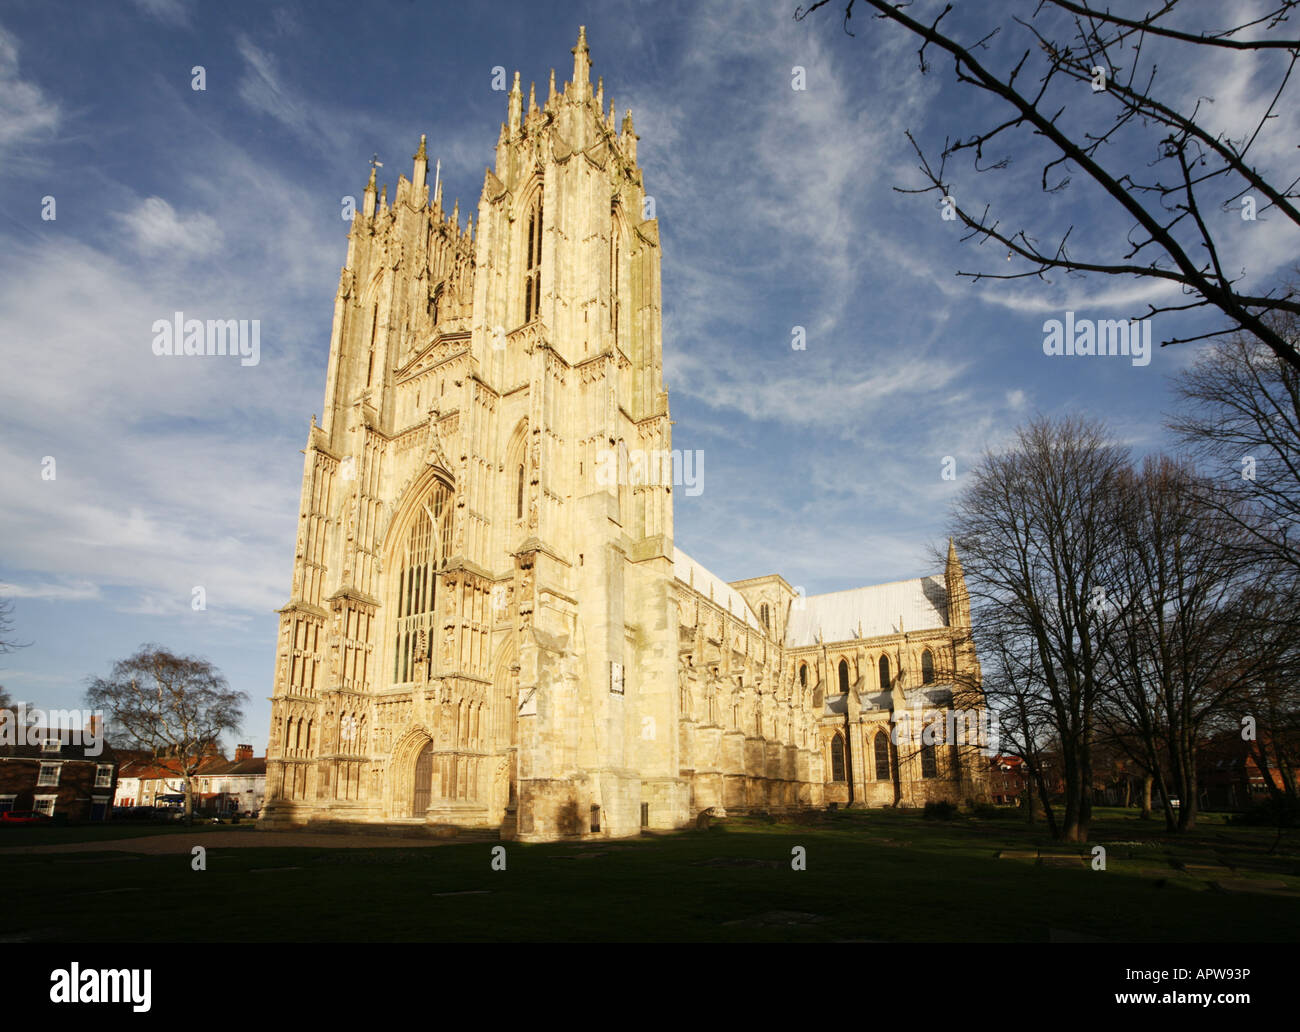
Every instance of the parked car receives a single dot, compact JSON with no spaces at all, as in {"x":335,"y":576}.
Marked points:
{"x":24,"y":817}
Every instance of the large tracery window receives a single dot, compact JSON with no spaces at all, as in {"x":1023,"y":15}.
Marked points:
{"x":881,"y":745}
{"x":837,"y":757}
{"x":533,"y":264}
{"x":416,"y":567}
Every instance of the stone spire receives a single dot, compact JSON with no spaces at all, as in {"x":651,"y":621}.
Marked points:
{"x":550,"y":96}
{"x":532,"y":99}
{"x":629,"y":137}
{"x":955,"y":583}
{"x":516,"y":102}
{"x":419,"y":176}
{"x":368,"y":203}
{"x":582,"y":66}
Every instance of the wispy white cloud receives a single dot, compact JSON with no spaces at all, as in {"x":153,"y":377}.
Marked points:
{"x":27,"y":112}
{"x":61,"y":591}
{"x":155,"y":227}
{"x":169,"y":12}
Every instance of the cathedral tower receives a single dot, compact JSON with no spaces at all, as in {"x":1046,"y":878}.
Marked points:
{"x":482,"y":626}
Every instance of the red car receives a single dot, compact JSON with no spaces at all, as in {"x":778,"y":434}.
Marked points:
{"x":23,"y":817}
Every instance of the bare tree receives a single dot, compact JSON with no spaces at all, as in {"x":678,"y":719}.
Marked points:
{"x":8,"y":643}
{"x":1240,"y":417}
{"x":1194,"y":629}
{"x":1083,"y":95}
{"x":174,"y":707}
{"x":1035,"y":529}
{"x":1017,"y":693}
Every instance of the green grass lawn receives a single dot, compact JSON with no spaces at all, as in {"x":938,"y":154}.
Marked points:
{"x":53,"y":835}
{"x":875,"y":875}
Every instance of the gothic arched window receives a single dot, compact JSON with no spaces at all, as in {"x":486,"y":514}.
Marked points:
{"x":844,"y":676}
{"x":519,"y":494}
{"x":929,"y":768}
{"x":416,"y":567}
{"x":884,"y":673}
{"x":927,"y":667}
{"x":374,"y":326}
{"x":763,"y":610}
{"x":881,"y":746}
{"x":614,"y":305}
{"x":533,"y":264}
{"x":803,"y":675}
{"x":837,"y":757}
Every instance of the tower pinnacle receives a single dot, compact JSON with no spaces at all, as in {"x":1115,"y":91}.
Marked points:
{"x":582,"y":65}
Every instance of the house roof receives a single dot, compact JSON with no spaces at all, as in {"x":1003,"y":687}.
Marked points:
{"x":871,"y":612}
{"x":69,"y":750}
{"x":713,"y":587}
{"x":255,"y":765}
{"x":167,"y":767}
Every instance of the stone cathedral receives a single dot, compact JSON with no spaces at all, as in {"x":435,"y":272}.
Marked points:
{"x":482,"y":630}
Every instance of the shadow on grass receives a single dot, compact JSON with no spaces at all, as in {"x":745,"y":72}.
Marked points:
{"x":877,"y":876}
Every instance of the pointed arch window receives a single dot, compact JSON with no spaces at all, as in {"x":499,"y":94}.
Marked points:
{"x":927,"y":667}
{"x":614,"y":305}
{"x":844,"y":676}
{"x":929,"y":767}
{"x":416,"y":566}
{"x":766,"y":615}
{"x":837,"y":757}
{"x":803,"y":675}
{"x":881,"y":746}
{"x":519,"y":493}
{"x":884,"y":673}
{"x":374,"y":326}
{"x":533,"y":264}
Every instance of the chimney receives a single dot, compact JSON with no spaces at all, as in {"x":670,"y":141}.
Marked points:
{"x":243,"y":752}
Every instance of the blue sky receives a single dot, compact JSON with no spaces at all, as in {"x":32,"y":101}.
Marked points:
{"x":776,"y":210}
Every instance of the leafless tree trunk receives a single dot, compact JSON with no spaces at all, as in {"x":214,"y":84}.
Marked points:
{"x":1034,"y":529}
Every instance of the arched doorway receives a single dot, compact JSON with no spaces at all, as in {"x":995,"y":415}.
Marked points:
{"x":423,"y":785}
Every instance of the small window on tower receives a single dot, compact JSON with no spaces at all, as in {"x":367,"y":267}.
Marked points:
{"x":519,"y":495}
{"x":533,"y":264}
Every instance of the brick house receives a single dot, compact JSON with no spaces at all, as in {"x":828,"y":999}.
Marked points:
{"x":145,"y":781}
{"x":235,"y":787}
{"x":58,"y":777}
{"x":1007,"y":779}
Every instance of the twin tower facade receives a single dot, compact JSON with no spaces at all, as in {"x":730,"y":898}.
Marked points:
{"x":485,"y":629}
